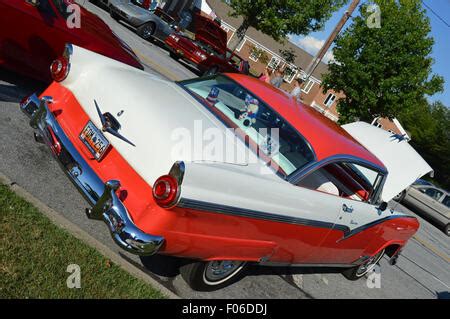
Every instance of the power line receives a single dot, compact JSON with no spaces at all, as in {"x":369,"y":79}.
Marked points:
{"x":437,"y":15}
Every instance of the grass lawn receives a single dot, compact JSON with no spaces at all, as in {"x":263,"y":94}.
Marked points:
{"x":34,"y":255}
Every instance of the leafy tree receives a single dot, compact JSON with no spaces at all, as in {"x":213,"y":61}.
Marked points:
{"x":280,"y":18}
{"x":262,"y":55}
{"x":429,"y":127}
{"x":288,"y":55}
{"x":385,"y":70}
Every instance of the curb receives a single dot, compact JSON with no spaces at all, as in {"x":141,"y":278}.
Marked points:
{"x":80,"y":234}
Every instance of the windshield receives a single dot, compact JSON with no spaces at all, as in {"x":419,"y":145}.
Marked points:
{"x":265,"y":132}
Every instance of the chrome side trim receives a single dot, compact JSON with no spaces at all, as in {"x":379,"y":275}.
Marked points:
{"x":106,"y":204}
{"x":374,"y":223}
{"x":242,"y":212}
{"x":279,"y":264}
{"x":296,"y":176}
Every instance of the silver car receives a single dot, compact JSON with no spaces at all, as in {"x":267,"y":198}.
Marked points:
{"x":430,"y":201}
{"x":149,"y":24}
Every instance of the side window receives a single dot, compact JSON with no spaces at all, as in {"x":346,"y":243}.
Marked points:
{"x":446,"y":201}
{"x":347,"y":180}
{"x":434,"y":193}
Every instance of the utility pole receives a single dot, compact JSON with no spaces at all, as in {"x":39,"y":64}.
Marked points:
{"x":319,"y":56}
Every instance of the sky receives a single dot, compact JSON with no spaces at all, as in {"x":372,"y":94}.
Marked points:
{"x":439,"y":30}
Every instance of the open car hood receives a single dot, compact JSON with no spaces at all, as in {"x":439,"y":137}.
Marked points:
{"x":403,"y":163}
{"x":210,"y":32}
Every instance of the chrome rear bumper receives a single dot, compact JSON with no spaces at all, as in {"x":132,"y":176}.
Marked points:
{"x":106,"y":204}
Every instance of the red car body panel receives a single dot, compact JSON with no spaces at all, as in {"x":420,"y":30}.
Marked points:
{"x":32,"y":37}
{"x":210,"y":236}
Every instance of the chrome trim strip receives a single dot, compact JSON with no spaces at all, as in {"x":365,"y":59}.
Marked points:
{"x":242,"y":212}
{"x":280,"y":264}
{"x":106,"y":204}
{"x":374,"y":223}
{"x":296,"y":176}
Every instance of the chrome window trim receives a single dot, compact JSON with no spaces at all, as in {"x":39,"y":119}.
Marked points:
{"x":297,"y":176}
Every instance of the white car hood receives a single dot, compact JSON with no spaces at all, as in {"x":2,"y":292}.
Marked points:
{"x":403,"y":163}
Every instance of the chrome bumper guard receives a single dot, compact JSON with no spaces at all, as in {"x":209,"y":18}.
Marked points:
{"x":106,"y":204}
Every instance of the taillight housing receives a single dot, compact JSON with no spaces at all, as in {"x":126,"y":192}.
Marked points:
{"x":59,"y":69}
{"x":166,"y":191}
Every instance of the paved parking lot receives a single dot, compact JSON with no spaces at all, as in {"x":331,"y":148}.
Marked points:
{"x":422,"y":272}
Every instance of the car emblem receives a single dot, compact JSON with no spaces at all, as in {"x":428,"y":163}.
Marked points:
{"x":110,"y":124}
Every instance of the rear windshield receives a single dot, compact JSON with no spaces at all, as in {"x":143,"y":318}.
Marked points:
{"x":265,"y":132}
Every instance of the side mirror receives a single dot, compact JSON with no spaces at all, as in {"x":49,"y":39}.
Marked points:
{"x":383,"y":206}
{"x":34,"y":3}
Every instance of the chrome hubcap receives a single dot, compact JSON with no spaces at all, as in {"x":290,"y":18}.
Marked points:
{"x":220,"y":269}
{"x":369,"y":264}
{"x":148,"y":30}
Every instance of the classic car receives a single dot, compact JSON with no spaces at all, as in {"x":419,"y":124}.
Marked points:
{"x":34,"y":33}
{"x":149,"y":24}
{"x":430,"y":201}
{"x":208,"y":52}
{"x":223,"y":171}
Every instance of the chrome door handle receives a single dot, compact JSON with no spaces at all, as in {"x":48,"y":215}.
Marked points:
{"x":347,"y":209}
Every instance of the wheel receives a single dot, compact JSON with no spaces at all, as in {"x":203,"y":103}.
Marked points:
{"x":447,"y":230}
{"x":212,"y":275}
{"x":211,"y":71}
{"x":173,"y":55}
{"x":114,"y":15}
{"x":146,"y":31}
{"x":400,"y":196}
{"x":357,"y":272}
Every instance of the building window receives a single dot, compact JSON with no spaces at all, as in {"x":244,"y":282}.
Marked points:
{"x":255,"y":54}
{"x":274,"y":62}
{"x":329,"y":100}
{"x":289,"y":73}
{"x":307,"y":87}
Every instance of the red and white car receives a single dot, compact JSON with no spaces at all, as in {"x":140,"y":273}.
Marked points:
{"x":290,"y":188}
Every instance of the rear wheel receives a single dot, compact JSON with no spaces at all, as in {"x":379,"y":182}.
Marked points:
{"x":173,"y":55}
{"x":146,"y":31}
{"x":114,"y":15}
{"x":447,"y":230}
{"x":212,"y":275}
{"x":357,"y":272}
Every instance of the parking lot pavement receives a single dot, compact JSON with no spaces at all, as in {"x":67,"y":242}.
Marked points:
{"x":422,"y":272}
{"x":151,"y":54}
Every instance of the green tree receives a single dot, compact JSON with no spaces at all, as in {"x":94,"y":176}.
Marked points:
{"x":280,"y":18}
{"x":429,"y":127}
{"x":383,"y":71}
{"x":288,"y":55}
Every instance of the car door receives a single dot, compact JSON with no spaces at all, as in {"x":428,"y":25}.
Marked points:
{"x":430,"y":202}
{"x":352,"y":186}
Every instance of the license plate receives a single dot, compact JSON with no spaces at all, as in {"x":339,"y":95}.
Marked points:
{"x":94,"y":140}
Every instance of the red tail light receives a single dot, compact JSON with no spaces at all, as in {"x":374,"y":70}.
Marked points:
{"x":166,"y":191}
{"x":59,"y":69}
